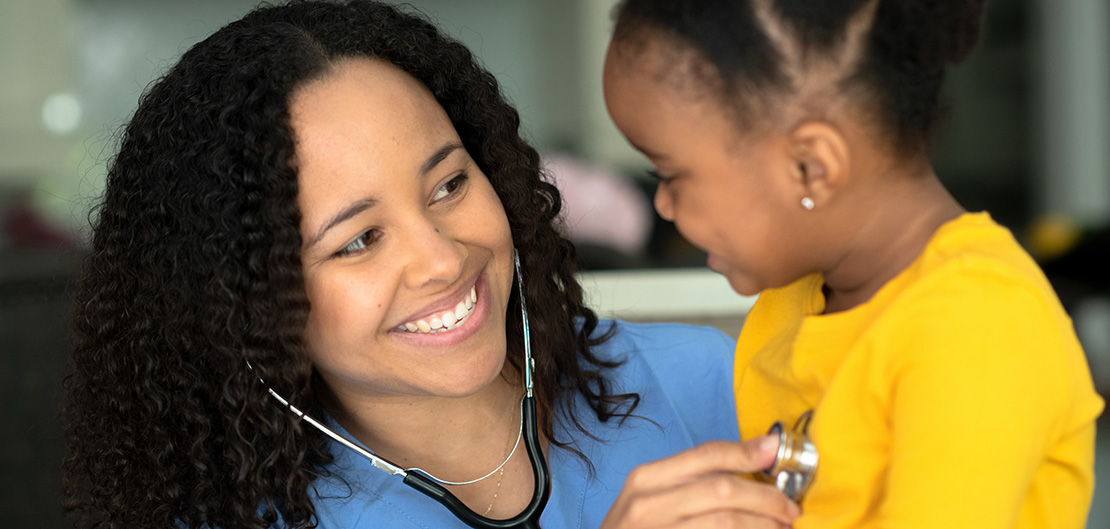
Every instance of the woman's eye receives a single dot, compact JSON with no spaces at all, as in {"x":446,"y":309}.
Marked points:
{"x":450,"y":188}
{"x":361,"y":244}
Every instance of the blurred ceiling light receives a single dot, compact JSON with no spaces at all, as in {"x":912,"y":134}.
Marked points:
{"x":61,"y":113}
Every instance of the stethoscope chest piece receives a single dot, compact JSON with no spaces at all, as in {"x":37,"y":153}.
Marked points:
{"x":796,"y":460}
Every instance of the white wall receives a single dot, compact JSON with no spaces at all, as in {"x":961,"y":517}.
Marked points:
{"x":35,"y":40}
{"x":1074,"y":103}
{"x":548,"y":56}
{"x":105,"y":52}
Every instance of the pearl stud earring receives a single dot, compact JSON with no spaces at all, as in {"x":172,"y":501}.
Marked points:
{"x":807,"y":203}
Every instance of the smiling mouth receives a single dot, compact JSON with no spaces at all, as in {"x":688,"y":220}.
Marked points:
{"x":445,"y":321}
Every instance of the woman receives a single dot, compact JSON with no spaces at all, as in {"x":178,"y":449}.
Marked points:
{"x":326,"y":201}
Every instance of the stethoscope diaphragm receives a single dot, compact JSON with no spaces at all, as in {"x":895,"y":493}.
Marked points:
{"x":796,"y":459}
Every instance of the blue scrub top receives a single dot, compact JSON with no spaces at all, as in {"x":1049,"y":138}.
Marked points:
{"x":684,"y":377}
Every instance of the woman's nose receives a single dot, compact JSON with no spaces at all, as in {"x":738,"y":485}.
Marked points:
{"x":435,"y":256}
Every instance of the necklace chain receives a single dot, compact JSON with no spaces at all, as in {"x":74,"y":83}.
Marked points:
{"x":497,"y":489}
{"x":501,"y":467}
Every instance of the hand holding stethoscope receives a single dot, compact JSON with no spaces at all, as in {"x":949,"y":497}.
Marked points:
{"x":686,"y":489}
{"x":703,"y":486}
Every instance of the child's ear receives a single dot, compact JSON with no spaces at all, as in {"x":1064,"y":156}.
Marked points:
{"x":822,"y":160}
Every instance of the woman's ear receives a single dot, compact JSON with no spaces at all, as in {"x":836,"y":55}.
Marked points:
{"x":822,"y":158}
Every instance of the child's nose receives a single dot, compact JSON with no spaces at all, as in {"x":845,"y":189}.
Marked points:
{"x":664,"y":204}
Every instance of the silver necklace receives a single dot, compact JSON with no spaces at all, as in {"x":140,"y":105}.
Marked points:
{"x":519,"y":434}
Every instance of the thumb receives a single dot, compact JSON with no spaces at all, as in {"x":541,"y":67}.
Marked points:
{"x":761,"y":451}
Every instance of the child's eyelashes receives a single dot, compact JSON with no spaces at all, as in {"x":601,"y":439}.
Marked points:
{"x":662,"y":178}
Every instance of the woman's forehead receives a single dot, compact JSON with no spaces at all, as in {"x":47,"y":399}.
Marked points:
{"x":367,"y":126}
{"x":366,"y":108}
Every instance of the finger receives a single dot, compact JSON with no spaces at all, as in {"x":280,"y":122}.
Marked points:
{"x":732,"y":493}
{"x":713,"y":494}
{"x":715,"y":456}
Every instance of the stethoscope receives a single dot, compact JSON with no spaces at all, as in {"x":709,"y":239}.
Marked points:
{"x":432,"y":487}
{"x":796,"y":460}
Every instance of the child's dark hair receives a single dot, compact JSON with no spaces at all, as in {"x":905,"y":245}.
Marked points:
{"x":888,"y":56}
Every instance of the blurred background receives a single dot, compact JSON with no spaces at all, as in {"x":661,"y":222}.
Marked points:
{"x":1028,"y":140}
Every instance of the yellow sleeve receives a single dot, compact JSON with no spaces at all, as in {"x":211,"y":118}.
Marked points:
{"x":981,"y":390}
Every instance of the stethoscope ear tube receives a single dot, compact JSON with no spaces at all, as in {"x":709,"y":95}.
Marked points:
{"x":529,"y":517}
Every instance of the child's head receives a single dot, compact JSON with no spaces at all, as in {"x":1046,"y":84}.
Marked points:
{"x":758,"y":113}
{"x":885,"y":58}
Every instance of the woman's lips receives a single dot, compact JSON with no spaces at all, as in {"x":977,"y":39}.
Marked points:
{"x":444,"y":321}
{"x":472,"y":320}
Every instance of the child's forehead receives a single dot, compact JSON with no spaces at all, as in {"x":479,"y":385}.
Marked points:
{"x":661,"y":57}
{"x":681,"y":74}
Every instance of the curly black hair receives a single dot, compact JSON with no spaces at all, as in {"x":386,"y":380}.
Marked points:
{"x":889,"y":56}
{"x":195,"y":270}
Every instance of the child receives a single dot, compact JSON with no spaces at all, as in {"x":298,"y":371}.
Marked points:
{"x":941,"y":381}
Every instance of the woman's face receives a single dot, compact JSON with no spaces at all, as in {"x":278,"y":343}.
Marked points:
{"x":406,"y":248}
{"x":733,"y":196}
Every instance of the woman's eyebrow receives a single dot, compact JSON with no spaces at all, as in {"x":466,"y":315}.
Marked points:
{"x":364,"y":204}
{"x":441,"y":154}
{"x":346,"y":213}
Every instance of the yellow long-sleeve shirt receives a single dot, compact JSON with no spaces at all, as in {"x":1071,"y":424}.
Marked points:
{"x":958,"y":396}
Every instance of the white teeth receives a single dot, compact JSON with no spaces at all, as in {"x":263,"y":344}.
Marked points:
{"x":446,"y":321}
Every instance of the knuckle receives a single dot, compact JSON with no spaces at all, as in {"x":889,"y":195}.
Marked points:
{"x":724,"y":487}
{"x":714,"y":450}
{"x":637,"y":477}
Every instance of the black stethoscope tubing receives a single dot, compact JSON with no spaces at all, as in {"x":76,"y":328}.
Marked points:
{"x":529,"y":518}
